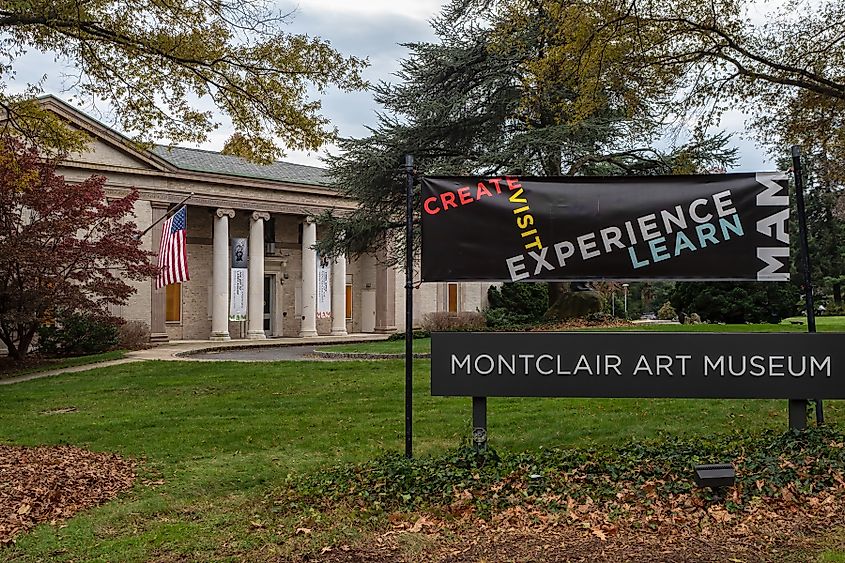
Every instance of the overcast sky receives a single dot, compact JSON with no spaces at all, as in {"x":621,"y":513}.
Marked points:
{"x":370,"y":29}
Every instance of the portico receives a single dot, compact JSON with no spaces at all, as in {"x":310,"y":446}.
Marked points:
{"x":290,"y":292}
{"x":282,"y":280}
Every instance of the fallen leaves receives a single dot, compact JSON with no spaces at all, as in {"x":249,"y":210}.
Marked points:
{"x":532,"y":533}
{"x":51,"y":483}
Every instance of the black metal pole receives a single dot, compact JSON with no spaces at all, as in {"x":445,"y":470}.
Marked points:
{"x":409,"y":304}
{"x":805,"y":256}
{"x":479,"y":423}
{"x":166,"y":215}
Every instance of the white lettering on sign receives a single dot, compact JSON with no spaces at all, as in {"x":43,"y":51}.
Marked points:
{"x":773,"y":366}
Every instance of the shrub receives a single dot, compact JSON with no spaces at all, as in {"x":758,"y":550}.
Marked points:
{"x":451,"y":322}
{"x":417,"y":334}
{"x":133,"y":335}
{"x":809,"y":462}
{"x":693,"y":319}
{"x":666,"y":312}
{"x":832,"y":310}
{"x":727,"y":302}
{"x":78,"y":334}
{"x":515,"y":305}
{"x":600,"y":317}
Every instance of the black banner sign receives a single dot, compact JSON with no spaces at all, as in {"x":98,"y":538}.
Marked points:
{"x":646,"y":365}
{"x":718,"y":227}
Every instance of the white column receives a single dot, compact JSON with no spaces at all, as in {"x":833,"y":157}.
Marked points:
{"x":385,"y":296}
{"x":158,"y":303}
{"x":309,"y":279}
{"x":339,"y":296}
{"x":255,"y":304}
{"x":220,"y":276}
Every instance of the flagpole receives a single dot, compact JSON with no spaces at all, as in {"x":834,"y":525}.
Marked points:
{"x":166,"y":215}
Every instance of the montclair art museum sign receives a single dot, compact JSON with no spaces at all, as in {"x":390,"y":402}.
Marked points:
{"x":706,"y":227}
{"x":671,"y":365}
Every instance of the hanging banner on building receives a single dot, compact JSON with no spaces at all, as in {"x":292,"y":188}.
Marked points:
{"x":239,"y":282}
{"x":705,"y":227}
{"x":638,"y":365}
{"x":324,"y":290}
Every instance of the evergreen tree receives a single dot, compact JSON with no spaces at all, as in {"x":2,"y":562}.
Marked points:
{"x":483,"y":100}
{"x":726,"y":302}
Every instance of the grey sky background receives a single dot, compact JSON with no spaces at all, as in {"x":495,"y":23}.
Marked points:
{"x":369,"y":28}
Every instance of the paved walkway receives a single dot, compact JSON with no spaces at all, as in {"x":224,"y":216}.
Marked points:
{"x":204,"y":350}
{"x":269,"y":350}
{"x":263,"y":354}
{"x":74,"y":369}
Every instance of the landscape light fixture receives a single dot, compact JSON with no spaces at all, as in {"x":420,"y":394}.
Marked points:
{"x":715,"y":475}
{"x":625,"y":287}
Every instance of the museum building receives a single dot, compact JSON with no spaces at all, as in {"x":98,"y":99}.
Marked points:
{"x":290,"y":292}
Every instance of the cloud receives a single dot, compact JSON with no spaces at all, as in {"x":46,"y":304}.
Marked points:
{"x":373,"y":29}
{"x":366,"y":33}
{"x":419,"y":10}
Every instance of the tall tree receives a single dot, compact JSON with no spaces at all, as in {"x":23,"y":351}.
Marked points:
{"x":151,"y":59}
{"x":497,"y":95}
{"x":825,"y":228}
{"x":783,"y":65}
{"x":63,"y":246}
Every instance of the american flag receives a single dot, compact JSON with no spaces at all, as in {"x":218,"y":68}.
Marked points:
{"x":172,"y":252}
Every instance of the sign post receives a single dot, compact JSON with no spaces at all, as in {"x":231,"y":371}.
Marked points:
{"x":800,"y":418}
{"x":409,"y":304}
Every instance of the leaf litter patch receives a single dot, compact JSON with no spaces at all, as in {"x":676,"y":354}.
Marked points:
{"x":52,"y":483}
{"x":632,"y":503}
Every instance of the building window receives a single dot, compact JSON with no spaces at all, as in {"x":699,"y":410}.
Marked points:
{"x":453,"y":298}
{"x":349,"y":302}
{"x":173,"y":299}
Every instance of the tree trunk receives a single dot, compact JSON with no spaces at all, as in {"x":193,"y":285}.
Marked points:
{"x":10,"y":346}
{"x":837,"y":293}
{"x":18,"y":351}
{"x":24,"y":342}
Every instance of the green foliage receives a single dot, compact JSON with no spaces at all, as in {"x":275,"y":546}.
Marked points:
{"x":514,"y":305}
{"x":824,"y":204}
{"x":78,"y":334}
{"x":401,"y":335}
{"x":811,"y":461}
{"x":151,"y":61}
{"x":726,"y":302}
{"x":486,"y":99}
{"x":720,"y":58}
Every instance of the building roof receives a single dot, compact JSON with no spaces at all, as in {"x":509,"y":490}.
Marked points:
{"x":198,"y":160}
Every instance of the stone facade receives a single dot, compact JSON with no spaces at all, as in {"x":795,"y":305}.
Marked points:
{"x":220,"y":202}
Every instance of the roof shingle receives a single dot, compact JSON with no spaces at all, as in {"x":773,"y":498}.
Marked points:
{"x":199,"y":160}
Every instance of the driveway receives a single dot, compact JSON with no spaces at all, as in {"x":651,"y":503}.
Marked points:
{"x":264,"y":354}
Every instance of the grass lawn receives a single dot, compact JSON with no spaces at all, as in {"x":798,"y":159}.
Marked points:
{"x":215,"y":440}
{"x":823,"y":324}
{"x":9,"y":369}
{"x":381,"y":347}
